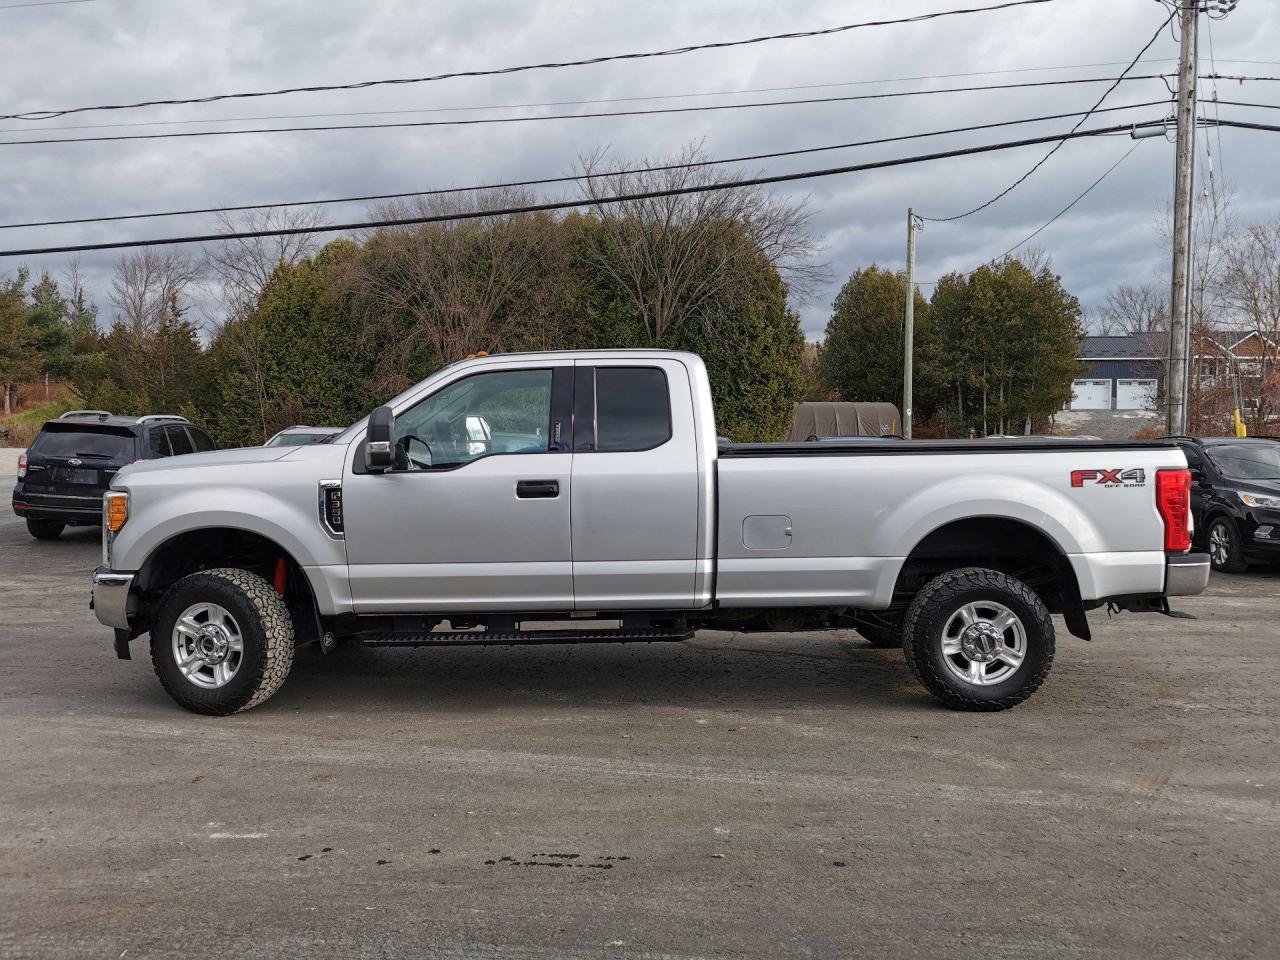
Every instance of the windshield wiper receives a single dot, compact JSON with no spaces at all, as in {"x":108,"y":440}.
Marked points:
{"x":99,"y":456}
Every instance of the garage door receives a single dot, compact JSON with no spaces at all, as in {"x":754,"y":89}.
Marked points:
{"x":1135,"y":394}
{"x":1091,"y":395}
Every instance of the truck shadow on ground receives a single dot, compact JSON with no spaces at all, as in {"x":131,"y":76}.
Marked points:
{"x":715,"y":670}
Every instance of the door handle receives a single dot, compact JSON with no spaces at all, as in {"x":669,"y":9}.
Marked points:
{"x":537,"y":489}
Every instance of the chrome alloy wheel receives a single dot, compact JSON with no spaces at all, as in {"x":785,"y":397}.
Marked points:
{"x":984,"y":642}
{"x":207,"y":645}
{"x":1219,"y":544}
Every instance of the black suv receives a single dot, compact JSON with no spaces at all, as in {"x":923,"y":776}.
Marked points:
{"x":1235,"y":499}
{"x":69,"y":465}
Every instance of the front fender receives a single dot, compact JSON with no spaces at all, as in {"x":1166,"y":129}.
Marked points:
{"x":288,"y":515}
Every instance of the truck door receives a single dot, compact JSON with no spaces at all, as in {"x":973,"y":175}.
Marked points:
{"x":475,"y":514}
{"x":635,"y":486}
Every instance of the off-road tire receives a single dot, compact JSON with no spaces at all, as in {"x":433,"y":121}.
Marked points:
{"x":45,"y":529}
{"x":934,"y":605}
{"x":267,"y":631}
{"x":1235,"y":562}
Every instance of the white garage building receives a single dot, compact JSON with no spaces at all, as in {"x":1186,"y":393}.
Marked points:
{"x":1118,"y":373}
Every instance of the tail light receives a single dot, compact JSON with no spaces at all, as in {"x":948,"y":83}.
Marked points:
{"x":22,"y":465}
{"x":1173,"y":500}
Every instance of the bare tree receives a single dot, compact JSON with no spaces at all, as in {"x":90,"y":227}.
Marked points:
{"x":152,"y":287}
{"x":1250,"y":291}
{"x":1136,"y":310}
{"x":457,"y":287}
{"x":676,"y":252}
{"x":152,"y":291}
{"x":243,"y":266}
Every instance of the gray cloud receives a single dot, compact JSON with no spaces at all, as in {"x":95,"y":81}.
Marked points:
{"x":122,"y":50}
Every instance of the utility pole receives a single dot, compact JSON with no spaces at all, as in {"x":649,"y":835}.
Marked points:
{"x":909,"y":331}
{"x":1183,"y":196}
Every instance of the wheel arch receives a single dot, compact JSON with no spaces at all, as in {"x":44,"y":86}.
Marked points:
{"x":1002,"y":543}
{"x":210,"y":547}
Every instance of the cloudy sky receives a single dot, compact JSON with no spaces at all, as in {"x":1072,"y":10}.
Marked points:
{"x":107,"y":51}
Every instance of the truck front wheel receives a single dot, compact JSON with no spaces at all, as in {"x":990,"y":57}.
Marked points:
{"x":978,"y":639}
{"x":222,"y":641}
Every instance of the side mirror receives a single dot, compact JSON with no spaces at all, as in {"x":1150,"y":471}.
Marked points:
{"x":379,"y":441}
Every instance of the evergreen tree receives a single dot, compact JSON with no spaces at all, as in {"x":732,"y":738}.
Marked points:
{"x":1005,"y":352}
{"x":861,"y":355}
{"x":20,"y":355}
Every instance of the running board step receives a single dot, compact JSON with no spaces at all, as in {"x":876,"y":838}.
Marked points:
{"x":487,"y":638}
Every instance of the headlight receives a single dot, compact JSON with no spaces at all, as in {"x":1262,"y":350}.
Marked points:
{"x":1255,"y":500}
{"x":115,"y":510}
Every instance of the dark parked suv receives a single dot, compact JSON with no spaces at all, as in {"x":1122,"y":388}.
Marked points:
{"x":69,"y":465}
{"x":1235,"y":498}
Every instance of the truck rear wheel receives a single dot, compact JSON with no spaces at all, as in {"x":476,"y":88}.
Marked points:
{"x":222,"y":641}
{"x":978,"y":639}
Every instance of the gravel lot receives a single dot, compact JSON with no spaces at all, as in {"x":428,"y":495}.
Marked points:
{"x":763,"y":796}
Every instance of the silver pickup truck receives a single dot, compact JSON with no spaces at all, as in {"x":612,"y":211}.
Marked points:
{"x":584,"y":497}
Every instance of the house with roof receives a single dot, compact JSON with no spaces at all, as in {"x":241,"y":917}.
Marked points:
{"x":1227,"y":361}
{"x":1119,"y":373}
{"x":1127,"y":372}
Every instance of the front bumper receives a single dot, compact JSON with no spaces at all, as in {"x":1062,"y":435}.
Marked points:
{"x":112,"y":602}
{"x":1261,"y":529}
{"x":1186,"y":575}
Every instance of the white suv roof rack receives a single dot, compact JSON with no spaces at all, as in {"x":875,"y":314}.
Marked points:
{"x":75,"y":414}
{"x":163,"y":416}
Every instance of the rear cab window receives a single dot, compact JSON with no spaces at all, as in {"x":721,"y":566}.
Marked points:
{"x":633,"y":409}
{"x":84,"y":441}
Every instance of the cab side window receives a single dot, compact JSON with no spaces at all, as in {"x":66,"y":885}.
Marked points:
{"x":506,"y":411}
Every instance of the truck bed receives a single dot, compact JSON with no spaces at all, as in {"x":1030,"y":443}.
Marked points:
{"x":834,"y":523}
{"x":872,"y":446}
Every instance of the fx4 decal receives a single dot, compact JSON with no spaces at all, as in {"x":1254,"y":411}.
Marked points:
{"x":1137,"y":477}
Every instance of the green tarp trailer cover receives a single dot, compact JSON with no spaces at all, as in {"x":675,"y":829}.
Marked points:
{"x":844,"y":420}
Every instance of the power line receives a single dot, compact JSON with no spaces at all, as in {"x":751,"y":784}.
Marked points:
{"x":566,"y":103}
{"x":598,"y":100}
{"x":474,"y":121}
{"x":1058,"y":146}
{"x":673,"y":51}
{"x":1241,"y":125}
{"x":1243,"y":103}
{"x":650,"y":97}
{"x":543,"y":181}
{"x":1070,"y":206}
{"x":1056,"y":217}
{"x":569,"y":204}
{"x":43,"y":3}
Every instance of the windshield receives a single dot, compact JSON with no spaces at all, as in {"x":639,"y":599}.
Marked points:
{"x":297,"y":439}
{"x":99,"y":443}
{"x":1247,"y":461}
